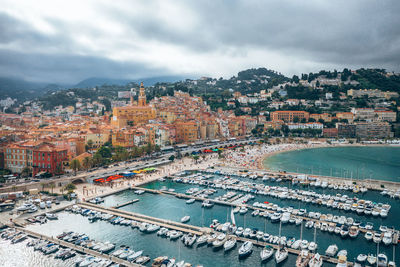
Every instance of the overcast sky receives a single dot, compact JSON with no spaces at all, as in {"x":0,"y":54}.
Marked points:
{"x":67,"y":41}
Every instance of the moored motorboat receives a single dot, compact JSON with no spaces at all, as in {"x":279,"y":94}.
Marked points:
{"x":185,"y":219}
{"x":331,"y":250}
{"x":281,"y":254}
{"x":315,"y":261}
{"x":246,"y":249}
{"x":230,"y":243}
{"x":266,"y":253}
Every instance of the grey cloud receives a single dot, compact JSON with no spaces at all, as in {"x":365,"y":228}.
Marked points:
{"x":69,"y":68}
{"x":359,"y":33}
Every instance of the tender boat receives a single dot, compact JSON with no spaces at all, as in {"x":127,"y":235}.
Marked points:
{"x":185,"y":219}
{"x":190,"y":201}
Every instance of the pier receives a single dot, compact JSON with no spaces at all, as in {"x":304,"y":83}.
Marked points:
{"x":77,"y":248}
{"x":148,"y":219}
{"x":187,"y":228}
{"x":126,"y":203}
{"x":179,"y":195}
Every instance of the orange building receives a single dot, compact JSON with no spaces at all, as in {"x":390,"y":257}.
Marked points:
{"x":345,"y":116}
{"x":324,"y":116}
{"x":186,"y":132}
{"x":133,"y":114}
{"x":16,"y":158}
{"x":289,"y":115}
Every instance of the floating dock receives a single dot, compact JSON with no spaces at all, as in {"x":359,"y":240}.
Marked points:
{"x":179,"y":195}
{"x":77,"y":248}
{"x":126,"y":203}
{"x":186,"y":228}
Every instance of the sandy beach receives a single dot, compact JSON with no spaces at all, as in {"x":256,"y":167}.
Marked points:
{"x":253,"y":156}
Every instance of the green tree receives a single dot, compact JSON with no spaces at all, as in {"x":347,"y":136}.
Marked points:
{"x":75,"y":165}
{"x":104,"y":151}
{"x":89,"y":145}
{"x":196,"y":158}
{"x":52,"y":186}
{"x":70,"y":188}
{"x":97,"y":159}
{"x":87,"y":162}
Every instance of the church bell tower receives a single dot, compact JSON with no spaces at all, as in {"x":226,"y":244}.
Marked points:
{"x":142,"y":96}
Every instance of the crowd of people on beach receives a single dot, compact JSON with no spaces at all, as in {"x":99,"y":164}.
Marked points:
{"x":252,"y":157}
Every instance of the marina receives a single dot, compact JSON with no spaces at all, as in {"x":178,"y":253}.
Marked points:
{"x":229,"y":217}
{"x":233,"y":211}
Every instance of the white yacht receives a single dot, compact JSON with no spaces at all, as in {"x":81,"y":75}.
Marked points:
{"x":382,"y":260}
{"x":230,"y":243}
{"x":246,"y":249}
{"x":281,"y":254}
{"x":266,"y":253}
{"x":331,"y":250}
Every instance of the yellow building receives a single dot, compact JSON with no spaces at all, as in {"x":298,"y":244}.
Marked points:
{"x":133,"y":114}
{"x":97,"y":136}
{"x":186,"y":132}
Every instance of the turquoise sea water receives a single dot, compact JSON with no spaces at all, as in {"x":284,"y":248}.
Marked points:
{"x":381,"y":163}
{"x":172,"y":208}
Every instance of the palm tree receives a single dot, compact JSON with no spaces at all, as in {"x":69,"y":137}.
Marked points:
{"x":43,"y":185}
{"x":52,"y":186}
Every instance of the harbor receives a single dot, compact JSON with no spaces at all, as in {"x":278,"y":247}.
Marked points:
{"x":224,"y":216}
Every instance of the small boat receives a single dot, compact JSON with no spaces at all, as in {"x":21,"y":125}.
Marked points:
{"x":369,"y":235}
{"x":219,"y":241}
{"x":133,"y":256}
{"x":202,"y":240}
{"x":342,"y":261}
{"x":185,"y":219}
{"x":280,"y":255}
{"x":246,"y":249}
{"x":230,"y":243}
{"x":361,"y":258}
{"x":142,"y":260}
{"x":266,"y":253}
{"x":316,"y":261}
{"x":382,"y":260}
{"x":190,"y":201}
{"x":371,"y":259}
{"x":51,"y":216}
{"x":331,"y":250}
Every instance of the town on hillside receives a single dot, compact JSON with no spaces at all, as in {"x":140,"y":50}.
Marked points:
{"x":80,"y":128}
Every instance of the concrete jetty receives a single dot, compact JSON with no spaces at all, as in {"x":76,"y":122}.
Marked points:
{"x":77,"y":248}
{"x":179,"y":195}
{"x":126,"y":203}
{"x":187,"y":228}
